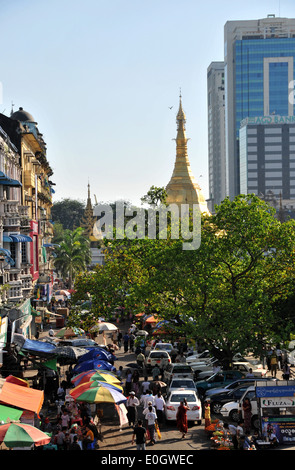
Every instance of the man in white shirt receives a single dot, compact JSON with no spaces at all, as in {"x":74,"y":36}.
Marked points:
{"x":159,"y":404}
{"x":132,"y":404}
{"x":151,"y":418}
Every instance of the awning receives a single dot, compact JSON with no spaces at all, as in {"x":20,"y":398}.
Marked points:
{"x":6,"y":180}
{"x":38,"y":348}
{"x":7,"y":239}
{"x":25,"y":398}
{"x":20,"y":238}
{"x":4,"y":250}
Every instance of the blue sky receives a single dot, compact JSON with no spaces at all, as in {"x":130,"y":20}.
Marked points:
{"x":99,"y":78}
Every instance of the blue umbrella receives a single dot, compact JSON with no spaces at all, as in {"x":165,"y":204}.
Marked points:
{"x":93,"y":364}
{"x":97,"y":353}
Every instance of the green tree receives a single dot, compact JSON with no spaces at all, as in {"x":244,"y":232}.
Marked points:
{"x":155,"y":196}
{"x":226,"y":294}
{"x":73,"y":254}
{"x":68,"y":212}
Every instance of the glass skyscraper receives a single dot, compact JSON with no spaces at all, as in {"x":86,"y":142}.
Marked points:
{"x":259,"y":61}
{"x":263,"y":70}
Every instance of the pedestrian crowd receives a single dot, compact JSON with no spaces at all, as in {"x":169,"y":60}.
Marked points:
{"x":74,"y":429}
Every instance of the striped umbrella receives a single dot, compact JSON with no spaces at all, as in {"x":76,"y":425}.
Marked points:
{"x":22,"y":435}
{"x":101,"y":376}
{"x":97,"y":393}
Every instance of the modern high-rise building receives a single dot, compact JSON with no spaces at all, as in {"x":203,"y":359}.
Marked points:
{"x":259,"y":80}
{"x":267,"y":157}
{"x":216,"y":134}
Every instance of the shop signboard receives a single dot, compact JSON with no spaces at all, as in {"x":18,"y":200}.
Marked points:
{"x":282,"y":426}
{"x":275,"y":391}
{"x":277,"y":406}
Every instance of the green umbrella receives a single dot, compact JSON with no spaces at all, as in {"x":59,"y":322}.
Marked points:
{"x":22,"y":435}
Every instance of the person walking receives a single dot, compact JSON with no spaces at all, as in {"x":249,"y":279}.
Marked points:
{"x":126,"y":342}
{"x":140,"y":434}
{"x":273,"y":364}
{"x":132,"y":404}
{"x":207,"y":413}
{"x":152,"y":421}
{"x":181,"y":417}
{"x":286,"y":371}
{"x":159,"y":404}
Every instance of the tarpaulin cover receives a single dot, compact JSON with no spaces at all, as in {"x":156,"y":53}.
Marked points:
{"x":22,"y":397}
{"x":38,"y":348}
{"x":6,"y":412}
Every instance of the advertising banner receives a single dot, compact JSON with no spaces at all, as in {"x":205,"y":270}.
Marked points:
{"x":282,"y":426}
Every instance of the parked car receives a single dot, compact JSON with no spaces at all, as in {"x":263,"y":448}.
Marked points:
{"x":173,"y":401}
{"x":178,"y":383}
{"x":233,"y":409}
{"x":246,"y":366}
{"x":163,"y":347}
{"x":206,"y":366}
{"x":218,"y":400}
{"x":233,"y":385}
{"x":203,"y":355}
{"x":178,"y":370}
{"x":161,"y":358}
{"x":79,"y":343}
{"x":218,"y":379}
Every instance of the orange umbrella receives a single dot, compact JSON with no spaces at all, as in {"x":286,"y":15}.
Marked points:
{"x":152,"y":319}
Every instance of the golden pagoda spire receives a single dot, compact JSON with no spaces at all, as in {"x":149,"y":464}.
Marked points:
{"x":182,"y":188}
{"x":88,"y":219}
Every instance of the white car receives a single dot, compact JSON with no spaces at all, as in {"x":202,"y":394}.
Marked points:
{"x":163,"y":347}
{"x":245,"y":367}
{"x":233,"y":409}
{"x":161,"y":358}
{"x":187,"y":384}
{"x":177,"y":370}
{"x":173,"y":401}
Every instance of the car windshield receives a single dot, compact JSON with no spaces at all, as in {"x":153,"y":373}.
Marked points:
{"x":215,"y":378}
{"x":158,"y":354}
{"x":166,"y":347}
{"x":182,"y":384}
{"x":177,"y":398}
{"x":182,"y":369}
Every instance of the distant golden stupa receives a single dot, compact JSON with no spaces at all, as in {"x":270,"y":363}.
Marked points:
{"x":88,"y":218}
{"x":182,"y":187}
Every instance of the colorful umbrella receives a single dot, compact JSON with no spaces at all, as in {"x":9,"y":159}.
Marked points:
{"x":97,"y":353}
{"x":101,"y":393}
{"x":69,"y":332}
{"x":96,"y":383}
{"x":22,"y":435}
{"x":152,"y":319}
{"x":102,"y":376}
{"x":93,"y":364}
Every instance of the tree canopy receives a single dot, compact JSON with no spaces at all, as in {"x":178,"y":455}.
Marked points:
{"x":228,"y":295}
